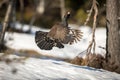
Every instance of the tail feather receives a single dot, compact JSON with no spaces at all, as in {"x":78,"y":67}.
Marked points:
{"x":47,"y":46}
{"x":59,"y":45}
{"x":40,"y":43}
{"x":43,"y":45}
{"x":43,"y":42}
{"x":50,"y":46}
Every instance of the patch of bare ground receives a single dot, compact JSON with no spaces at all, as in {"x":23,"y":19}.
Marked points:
{"x":92,"y":60}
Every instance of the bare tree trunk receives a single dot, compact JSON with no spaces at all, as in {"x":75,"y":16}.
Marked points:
{"x":21,"y":13}
{"x":113,"y":35}
{"x":13,"y":17}
{"x":5,"y":23}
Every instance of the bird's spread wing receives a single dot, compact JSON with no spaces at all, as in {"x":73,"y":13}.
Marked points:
{"x":44,"y":42}
{"x":73,"y":36}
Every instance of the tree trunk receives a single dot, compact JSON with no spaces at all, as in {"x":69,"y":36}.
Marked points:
{"x":5,"y":24}
{"x":113,"y":35}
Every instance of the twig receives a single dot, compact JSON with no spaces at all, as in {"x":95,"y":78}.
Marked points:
{"x":102,"y":47}
{"x":93,"y":43}
{"x":89,"y":15}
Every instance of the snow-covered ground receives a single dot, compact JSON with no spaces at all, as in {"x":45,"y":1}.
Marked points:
{"x":26,"y":41}
{"x":51,"y":69}
{"x":48,"y":69}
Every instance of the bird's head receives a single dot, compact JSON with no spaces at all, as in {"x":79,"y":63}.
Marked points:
{"x":65,"y":19}
{"x":67,"y":15}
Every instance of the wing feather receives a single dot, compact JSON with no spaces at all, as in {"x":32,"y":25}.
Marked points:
{"x":73,"y":37}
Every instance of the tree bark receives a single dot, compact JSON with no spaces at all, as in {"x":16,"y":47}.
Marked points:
{"x":113,"y":35}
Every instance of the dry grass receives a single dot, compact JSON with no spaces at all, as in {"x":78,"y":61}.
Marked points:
{"x":92,"y":60}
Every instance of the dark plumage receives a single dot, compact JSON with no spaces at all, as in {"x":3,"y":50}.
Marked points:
{"x":59,"y":34}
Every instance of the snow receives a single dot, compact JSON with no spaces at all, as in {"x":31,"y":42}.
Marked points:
{"x":48,"y":69}
{"x":51,"y":69}
{"x":26,"y":41}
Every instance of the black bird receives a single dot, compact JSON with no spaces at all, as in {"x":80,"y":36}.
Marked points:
{"x":59,"y":34}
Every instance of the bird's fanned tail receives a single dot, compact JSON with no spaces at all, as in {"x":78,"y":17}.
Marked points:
{"x":43,"y":42}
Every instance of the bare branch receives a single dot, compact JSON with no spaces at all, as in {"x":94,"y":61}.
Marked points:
{"x":89,"y":15}
{"x":93,"y":43}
